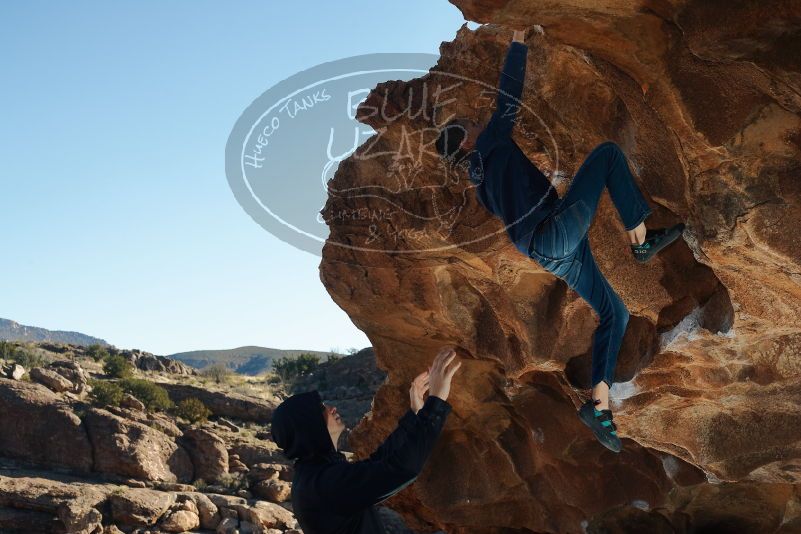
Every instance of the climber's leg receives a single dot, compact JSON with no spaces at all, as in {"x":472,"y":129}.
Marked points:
{"x":579,"y":270}
{"x":606,"y":166}
{"x":581,"y":273}
{"x":593,"y":287}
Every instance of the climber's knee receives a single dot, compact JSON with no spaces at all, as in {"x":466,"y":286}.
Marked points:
{"x":608,"y":145}
{"x":616,"y":316}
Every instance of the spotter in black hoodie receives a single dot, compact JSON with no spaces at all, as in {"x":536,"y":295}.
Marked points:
{"x":333,"y":496}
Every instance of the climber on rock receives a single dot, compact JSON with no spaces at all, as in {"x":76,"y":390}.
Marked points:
{"x":553,"y":230}
{"x":331,"y":494}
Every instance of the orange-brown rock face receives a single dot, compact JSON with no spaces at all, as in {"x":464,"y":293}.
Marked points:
{"x":705,"y":100}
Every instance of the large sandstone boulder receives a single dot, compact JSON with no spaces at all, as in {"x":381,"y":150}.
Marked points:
{"x":272,"y":490}
{"x":131,"y":449}
{"x":157,"y":420}
{"x":206,"y":509}
{"x":266,"y":515}
{"x":208,"y":453}
{"x":73,"y":372}
{"x":151,"y":362}
{"x":180,"y":521}
{"x":11,"y":370}
{"x":36,"y":427}
{"x":139,"y":506}
{"x":705,"y":101}
{"x":74,"y":505}
{"x":224,"y":404}
{"x":51,"y":379}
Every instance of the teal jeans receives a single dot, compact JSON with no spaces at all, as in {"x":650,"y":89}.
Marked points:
{"x":559,"y":243}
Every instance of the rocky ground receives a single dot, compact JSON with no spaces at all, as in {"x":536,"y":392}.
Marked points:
{"x":70,"y":465}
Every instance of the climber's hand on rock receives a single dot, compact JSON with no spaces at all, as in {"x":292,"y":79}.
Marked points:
{"x":418,"y":390}
{"x":442,"y":371}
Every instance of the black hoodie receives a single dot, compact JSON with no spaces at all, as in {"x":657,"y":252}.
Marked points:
{"x":333,"y":496}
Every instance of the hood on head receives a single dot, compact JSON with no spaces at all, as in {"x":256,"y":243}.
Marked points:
{"x":298,"y":427}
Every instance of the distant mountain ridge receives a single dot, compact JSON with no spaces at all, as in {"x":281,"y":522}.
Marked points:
{"x":13,"y":331}
{"x":249,"y":360}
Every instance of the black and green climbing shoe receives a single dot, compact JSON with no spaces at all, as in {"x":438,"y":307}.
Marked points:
{"x":600,"y":422}
{"x":656,"y":240}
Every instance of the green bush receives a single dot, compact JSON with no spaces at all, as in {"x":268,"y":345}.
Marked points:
{"x":234,"y":481}
{"x":273,"y":379}
{"x":117,"y":367}
{"x":105,"y":393}
{"x":153,"y":396}
{"x":25,"y":356}
{"x":291,"y":368}
{"x":193,"y":410}
{"x":332,"y":357}
{"x":97,"y":352}
{"x":7,"y":350}
{"x":218,"y":372}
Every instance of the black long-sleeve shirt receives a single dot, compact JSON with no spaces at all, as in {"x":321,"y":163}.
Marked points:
{"x":508,"y":184}
{"x":333,"y":496}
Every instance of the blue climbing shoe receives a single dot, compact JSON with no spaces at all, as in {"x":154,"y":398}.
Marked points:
{"x":656,"y":240}
{"x":600,"y":422}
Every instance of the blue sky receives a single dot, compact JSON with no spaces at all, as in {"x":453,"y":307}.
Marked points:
{"x":116,"y":214}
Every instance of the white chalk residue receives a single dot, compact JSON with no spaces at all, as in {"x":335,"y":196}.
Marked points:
{"x":642,"y":505}
{"x":670,"y":465}
{"x":621,"y":391}
{"x":729,"y":334}
{"x":686,"y":330}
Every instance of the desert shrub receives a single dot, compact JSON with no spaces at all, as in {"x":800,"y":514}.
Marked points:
{"x":291,"y":368}
{"x":117,"y":366}
{"x":153,"y":396}
{"x":218,"y":372}
{"x":7,"y":350}
{"x":273,"y":379}
{"x":332,"y":357}
{"x":233,"y":481}
{"x":200,"y":484}
{"x":26,"y":357}
{"x":352,"y":351}
{"x":97,"y":352}
{"x":105,"y":393}
{"x":193,"y":410}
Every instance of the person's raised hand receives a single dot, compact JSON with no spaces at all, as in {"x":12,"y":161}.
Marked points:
{"x":441,"y":373}
{"x":418,"y":390}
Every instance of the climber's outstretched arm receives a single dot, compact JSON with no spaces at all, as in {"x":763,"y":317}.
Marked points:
{"x":510,"y":87}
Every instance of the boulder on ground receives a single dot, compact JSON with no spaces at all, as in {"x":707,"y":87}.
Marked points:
{"x":35,"y":427}
{"x":51,"y":379}
{"x":224,"y":404}
{"x":229,"y":525}
{"x":266,"y":515}
{"x":139,"y":506}
{"x":75,"y":505}
{"x":131,"y":449}
{"x":206,"y":510}
{"x":180,"y":521}
{"x":12,"y":371}
{"x":273,"y":490}
{"x":208,"y":453}
{"x":73,"y":372}
{"x":132,"y":403}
